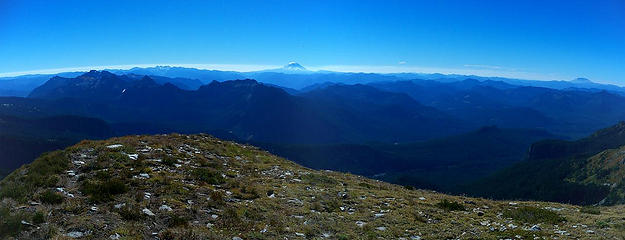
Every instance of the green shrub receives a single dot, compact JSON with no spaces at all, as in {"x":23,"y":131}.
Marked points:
{"x":176,"y":221}
{"x":41,"y":171}
{"x":590,"y":210}
{"x":208,"y":176}
{"x":333,"y":205}
{"x":50,"y":197}
{"x":14,"y":190}
{"x":248,"y":191}
{"x":103,"y":191}
{"x":10,"y":223}
{"x":450,"y":206}
{"x":216,"y":199}
{"x":167,"y":235}
{"x":169,"y":161}
{"x":342,"y":237}
{"x":39,"y":218}
{"x":319,"y":179}
{"x":130,"y":213}
{"x":231,"y":218}
{"x":533,"y":215}
{"x":103,"y":175}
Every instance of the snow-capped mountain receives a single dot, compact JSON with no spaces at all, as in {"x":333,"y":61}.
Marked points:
{"x":293,"y":66}
{"x":290,"y":68}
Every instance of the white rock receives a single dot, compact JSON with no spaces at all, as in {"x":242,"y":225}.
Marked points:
{"x":120,"y":205}
{"x":535,"y":228}
{"x":75,"y":234}
{"x":148,"y":212}
{"x":381,"y":228}
{"x":360,"y":223}
{"x":300,"y":234}
{"x":26,"y":223}
{"x":422,"y":198}
{"x":133,"y":156}
{"x":165,"y":208}
{"x":115,"y":236}
{"x":79,"y":162}
{"x":114,"y":146}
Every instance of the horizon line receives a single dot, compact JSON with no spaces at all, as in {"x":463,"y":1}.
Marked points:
{"x":466,"y":70}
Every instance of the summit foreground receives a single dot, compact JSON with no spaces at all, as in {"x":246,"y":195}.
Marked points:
{"x":198,"y":187}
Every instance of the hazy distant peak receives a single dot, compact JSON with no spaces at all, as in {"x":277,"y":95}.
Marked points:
{"x":293,"y":66}
{"x":290,"y":68}
{"x":581,"y":80}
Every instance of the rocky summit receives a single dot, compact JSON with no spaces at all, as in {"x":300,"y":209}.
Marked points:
{"x":199,"y":187}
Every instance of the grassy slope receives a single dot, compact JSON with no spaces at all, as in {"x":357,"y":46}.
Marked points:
{"x":218,"y":190}
{"x":605,"y":169}
{"x":552,"y":169}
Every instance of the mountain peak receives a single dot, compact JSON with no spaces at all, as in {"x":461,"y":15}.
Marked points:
{"x":96,"y":74}
{"x":293,"y":66}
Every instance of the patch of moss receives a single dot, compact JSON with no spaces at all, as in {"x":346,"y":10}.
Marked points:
{"x":50,"y":197}
{"x":533,"y":215}
{"x":103,"y":191}
{"x":39,"y":218}
{"x":450,"y":206}
{"x":129,"y":213}
{"x":208,"y":176}
{"x":319,"y":179}
{"x":590,"y":210}
{"x":176,"y":221}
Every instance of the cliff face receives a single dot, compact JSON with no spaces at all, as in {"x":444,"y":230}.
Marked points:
{"x":198,"y":187}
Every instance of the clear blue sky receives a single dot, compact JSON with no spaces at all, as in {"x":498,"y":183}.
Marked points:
{"x":528,"y":39}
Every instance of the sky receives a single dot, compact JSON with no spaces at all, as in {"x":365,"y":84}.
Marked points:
{"x":542,"y":40}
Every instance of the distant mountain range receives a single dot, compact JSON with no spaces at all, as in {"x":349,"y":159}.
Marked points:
{"x":249,"y":110}
{"x":292,"y":75}
{"x":569,"y":112}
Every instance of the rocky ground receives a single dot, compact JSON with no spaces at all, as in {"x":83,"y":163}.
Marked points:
{"x":198,"y":187}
